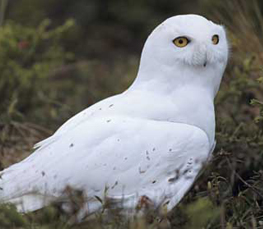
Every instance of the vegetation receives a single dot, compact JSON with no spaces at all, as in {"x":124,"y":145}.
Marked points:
{"x":52,"y":68}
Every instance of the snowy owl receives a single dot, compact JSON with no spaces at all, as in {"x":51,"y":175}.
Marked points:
{"x":144,"y":146}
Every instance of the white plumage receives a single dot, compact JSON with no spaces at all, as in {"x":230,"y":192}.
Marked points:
{"x":151,"y":140}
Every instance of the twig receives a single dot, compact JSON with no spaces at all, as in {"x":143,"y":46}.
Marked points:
{"x":240,"y":178}
{"x":2,"y":11}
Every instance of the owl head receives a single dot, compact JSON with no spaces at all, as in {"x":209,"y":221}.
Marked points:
{"x":186,"y":49}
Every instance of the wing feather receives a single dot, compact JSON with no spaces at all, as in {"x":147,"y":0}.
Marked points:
{"x":132,"y":157}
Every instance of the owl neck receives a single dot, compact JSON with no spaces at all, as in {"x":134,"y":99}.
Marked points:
{"x":186,"y":96}
{"x":169,"y":79}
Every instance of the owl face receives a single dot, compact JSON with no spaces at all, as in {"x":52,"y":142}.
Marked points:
{"x":186,"y":51}
{"x":189,"y":40}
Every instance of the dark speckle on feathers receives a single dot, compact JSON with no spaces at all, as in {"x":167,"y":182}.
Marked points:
{"x":172,"y":180}
{"x":115,"y":184}
{"x":166,"y":203}
{"x":141,"y":171}
{"x":176,"y":177}
{"x":186,"y":171}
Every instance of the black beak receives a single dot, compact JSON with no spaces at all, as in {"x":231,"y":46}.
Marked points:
{"x":205,"y":64}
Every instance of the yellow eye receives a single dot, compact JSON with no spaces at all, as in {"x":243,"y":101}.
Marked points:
{"x":181,"y":42}
{"x":215,"y":39}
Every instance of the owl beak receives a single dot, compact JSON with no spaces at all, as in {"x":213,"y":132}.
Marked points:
{"x":200,"y":57}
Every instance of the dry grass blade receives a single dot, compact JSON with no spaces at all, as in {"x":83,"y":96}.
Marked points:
{"x":17,"y":140}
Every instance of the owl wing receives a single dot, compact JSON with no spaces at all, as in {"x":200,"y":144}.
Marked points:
{"x":79,"y":118}
{"x":129,"y":157}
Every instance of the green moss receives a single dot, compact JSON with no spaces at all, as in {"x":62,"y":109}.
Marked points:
{"x":9,"y":218}
{"x":27,"y":58}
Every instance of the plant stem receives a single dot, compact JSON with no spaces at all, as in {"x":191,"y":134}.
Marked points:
{"x":2,"y":11}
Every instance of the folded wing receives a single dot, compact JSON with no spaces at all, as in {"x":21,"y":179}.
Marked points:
{"x":129,"y":157}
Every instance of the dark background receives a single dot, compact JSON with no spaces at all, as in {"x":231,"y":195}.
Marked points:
{"x":104,"y":28}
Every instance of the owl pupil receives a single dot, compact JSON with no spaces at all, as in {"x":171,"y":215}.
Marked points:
{"x":181,"y":42}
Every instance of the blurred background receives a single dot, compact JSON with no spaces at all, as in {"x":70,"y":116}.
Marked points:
{"x":59,"y":57}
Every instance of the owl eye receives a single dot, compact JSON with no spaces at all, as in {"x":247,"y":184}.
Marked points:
{"x":215,"y":39}
{"x":181,"y":41}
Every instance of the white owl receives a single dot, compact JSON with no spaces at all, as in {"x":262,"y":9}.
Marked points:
{"x":148,"y":143}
